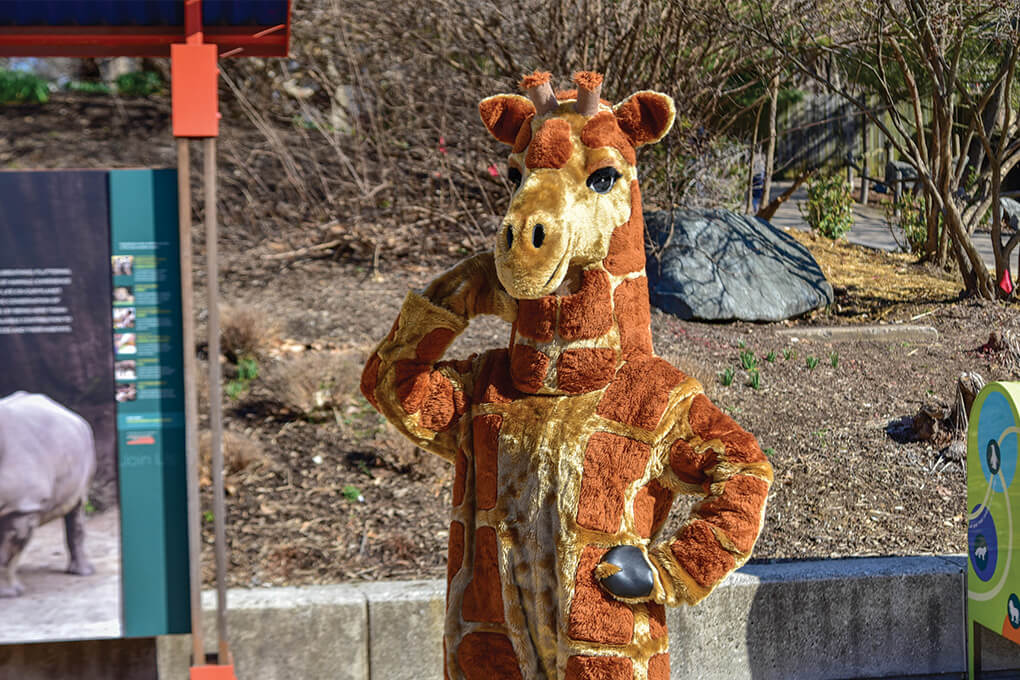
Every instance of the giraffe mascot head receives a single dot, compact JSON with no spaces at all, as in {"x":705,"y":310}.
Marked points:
{"x":570,"y":445}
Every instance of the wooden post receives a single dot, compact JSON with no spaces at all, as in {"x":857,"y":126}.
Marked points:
{"x":216,"y":397}
{"x":865,"y":183}
{"x":190,"y":400}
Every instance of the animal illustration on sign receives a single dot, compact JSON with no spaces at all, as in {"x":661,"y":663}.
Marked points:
{"x":981,"y":553}
{"x":47,"y":459}
{"x":570,"y":446}
{"x":1014,"y":613}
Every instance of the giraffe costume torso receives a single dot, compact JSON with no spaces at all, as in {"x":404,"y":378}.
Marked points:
{"x":577,"y":438}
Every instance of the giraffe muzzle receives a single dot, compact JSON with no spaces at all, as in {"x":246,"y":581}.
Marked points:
{"x":531,"y":257}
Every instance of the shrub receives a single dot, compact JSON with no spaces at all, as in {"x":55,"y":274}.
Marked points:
{"x":829,"y":207}
{"x":908,"y":217}
{"x":22,"y":88}
{"x":139,"y":83}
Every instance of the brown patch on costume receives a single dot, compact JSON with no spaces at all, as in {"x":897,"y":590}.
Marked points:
{"x":528,"y":367}
{"x":534,"y":79}
{"x":459,"y":403}
{"x":588,"y":313}
{"x":603,"y":130}
{"x":658,"y":667}
{"x":699,"y":553}
{"x":551,"y":146}
{"x":611,"y":462}
{"x":536,"y":319}
{"x":439,"y":409}
{"x":634,"y":317}
{"x":503,"y":116}
{"x":455,"y":552}
{"x":523,"y":136}
{"x":594,"y":615}
{"x":369,"y":379}
{"x":483,"y":597}
{"x":656,"y":621}
{"x":485,"y":430}
{"x":708,"y":422}
{"x":640,"y":392}
{"x":651,"y":508}
{"x":599,"y":668}
{"x":643,"y":118}
{"x":689,"y":465}
{"x":459,"y":478}
{"x":627,"y":244}
{"x":435,"y":342}
{"x":585,"y":369}
{"x":494,"y":385}
{"x":488,"y":656}
{"x":737,"y":511}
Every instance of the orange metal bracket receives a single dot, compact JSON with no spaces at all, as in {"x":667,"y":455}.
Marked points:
{"x":193,"y":90}
{"x":212,"y":673}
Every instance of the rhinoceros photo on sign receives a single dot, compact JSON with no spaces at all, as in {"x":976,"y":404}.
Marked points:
{"x":60,"y":552}
{"x":91,"y":443}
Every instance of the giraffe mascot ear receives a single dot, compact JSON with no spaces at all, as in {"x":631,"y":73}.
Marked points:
{"x":506,"y":115}
{"x":645,"y":117}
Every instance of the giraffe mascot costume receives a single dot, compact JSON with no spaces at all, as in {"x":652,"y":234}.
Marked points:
{"x":570,"y":446}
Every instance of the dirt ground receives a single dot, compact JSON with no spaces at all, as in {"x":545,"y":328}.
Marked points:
{"x":322,"y":490}
{"x":61,"y":606}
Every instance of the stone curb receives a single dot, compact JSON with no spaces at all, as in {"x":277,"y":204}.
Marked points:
{"x":848,"y":618}
{"x":882,"y":333}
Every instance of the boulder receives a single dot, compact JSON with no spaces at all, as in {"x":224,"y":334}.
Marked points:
{"x":721,"y":266}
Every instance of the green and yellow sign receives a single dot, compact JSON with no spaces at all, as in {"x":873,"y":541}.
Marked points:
{"x":993,"y":504}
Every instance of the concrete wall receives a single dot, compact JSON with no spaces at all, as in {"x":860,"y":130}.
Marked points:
{"x":855,"y":618}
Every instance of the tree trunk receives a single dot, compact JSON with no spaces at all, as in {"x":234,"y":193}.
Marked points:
{"x":770,"y":155}
{"x":750,"y":163}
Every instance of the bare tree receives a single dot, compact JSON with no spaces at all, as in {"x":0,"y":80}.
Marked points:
{"x":942,"y":72}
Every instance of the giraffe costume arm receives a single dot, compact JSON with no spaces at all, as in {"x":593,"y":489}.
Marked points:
{"x":706,"y":452}
{"x":404,"y":379}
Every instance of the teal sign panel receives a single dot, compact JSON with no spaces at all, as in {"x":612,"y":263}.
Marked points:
{"x":150,"y":401}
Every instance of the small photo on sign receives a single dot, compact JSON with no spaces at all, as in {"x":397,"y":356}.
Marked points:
{"x":123,"y":265}
{"x":124,"y":343}
{"x":123,"y":317}
{"x":124,"y":295}
{"x":126,"y":392}
{"x":125,"y":369}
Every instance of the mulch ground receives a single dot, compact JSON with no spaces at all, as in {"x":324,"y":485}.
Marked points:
{"x":321,"y":489}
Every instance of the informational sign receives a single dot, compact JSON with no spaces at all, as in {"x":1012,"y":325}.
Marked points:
{"x":90,"y":317}
{"x":993,"y":504}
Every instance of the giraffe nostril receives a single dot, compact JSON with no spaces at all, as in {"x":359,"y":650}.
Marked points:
{"x":509,"y":237}
{"x":538,"y":235}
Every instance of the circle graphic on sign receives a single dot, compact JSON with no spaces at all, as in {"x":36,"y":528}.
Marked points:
{"x":982,"y":544}
{"x":1013,"y":610}
{"x":996,"y":423}
{"x":993,"y":456}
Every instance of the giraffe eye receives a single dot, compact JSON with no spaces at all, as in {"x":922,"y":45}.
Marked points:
{"x":603,"y":179}
{"x":514,"y":175}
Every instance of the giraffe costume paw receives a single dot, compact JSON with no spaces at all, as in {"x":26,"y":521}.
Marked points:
{"x":570,"y":445}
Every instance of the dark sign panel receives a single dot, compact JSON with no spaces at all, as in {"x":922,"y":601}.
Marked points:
{"x":91,"y":407}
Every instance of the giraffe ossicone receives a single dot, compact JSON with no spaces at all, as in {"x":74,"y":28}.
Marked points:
{"x":570,"y":444}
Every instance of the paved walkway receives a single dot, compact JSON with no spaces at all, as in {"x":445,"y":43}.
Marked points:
{"x":870,"y":228}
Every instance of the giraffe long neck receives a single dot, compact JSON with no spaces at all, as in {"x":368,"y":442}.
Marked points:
{"x":575,"y":343}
